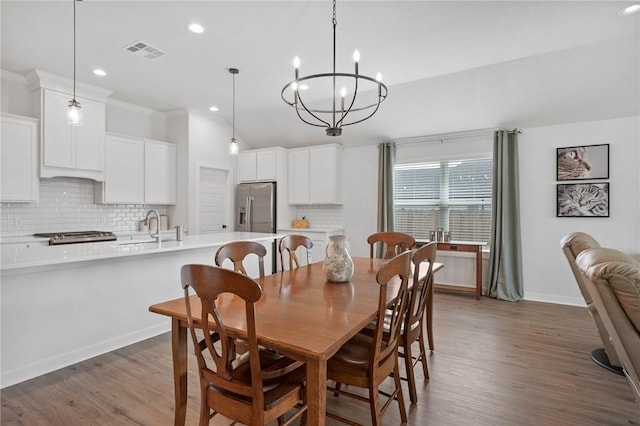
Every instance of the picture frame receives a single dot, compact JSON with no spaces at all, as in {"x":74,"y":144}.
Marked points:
{"x":582,"y":162}
{"x":582,"y":199}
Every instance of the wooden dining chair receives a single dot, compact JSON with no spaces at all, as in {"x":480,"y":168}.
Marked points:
{"x":366,"y":361}
{"x":237,"y":251}
{"x":255,"y":388}
{"x":420,"y":304}
{"x":393,"y":243}
{"x":290,"y":244}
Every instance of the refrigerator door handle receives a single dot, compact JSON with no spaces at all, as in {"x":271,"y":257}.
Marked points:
{"x":249,"y":208}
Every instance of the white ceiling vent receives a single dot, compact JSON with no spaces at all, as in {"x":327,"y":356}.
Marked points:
{"x":142,"y":49}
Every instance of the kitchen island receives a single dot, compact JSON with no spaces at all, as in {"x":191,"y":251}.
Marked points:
{"x":63,"y":304}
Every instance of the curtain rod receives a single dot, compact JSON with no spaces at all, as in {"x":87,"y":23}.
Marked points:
{"x":441,"y":137}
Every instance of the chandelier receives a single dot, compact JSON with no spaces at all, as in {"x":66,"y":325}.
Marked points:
{"x":345,"y":112}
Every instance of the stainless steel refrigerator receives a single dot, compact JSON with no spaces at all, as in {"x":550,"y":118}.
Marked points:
{"x":256,"y":207}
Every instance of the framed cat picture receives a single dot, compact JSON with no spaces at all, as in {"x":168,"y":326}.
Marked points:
{"x":583,"y":199}
{"x":583,"y":162}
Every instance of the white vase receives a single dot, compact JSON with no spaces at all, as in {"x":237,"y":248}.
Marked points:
{"x":338,"y":265}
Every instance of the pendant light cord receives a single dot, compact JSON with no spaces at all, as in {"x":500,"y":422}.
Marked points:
{"x":233,"y":109}
{"x":74,"y":50}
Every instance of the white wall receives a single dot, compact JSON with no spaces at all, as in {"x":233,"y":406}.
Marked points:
{"x":546,"y":275}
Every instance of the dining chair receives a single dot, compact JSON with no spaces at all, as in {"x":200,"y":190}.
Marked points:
{"x":366,"y":361}
{"x":290,"y":244}
{"x":393,"y":243}
{"x":255,"y":388}
{"x":420,"y":304}
{"x":237,"y":251}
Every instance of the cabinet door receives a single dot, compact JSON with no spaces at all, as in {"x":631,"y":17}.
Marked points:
{"x":124,"y":176}
{"x":299,"y":176}
{"x":159,"y":173}
{"x":321,"y":175}
{"x":19,"y":160}
{"x":90,"y":137}
{"x":57,"y":142}
{"x":247,"y":167}
{"x":266,"y":165}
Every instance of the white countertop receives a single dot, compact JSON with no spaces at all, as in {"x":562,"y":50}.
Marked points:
{"x":312,"y":229}
{"x":15,"y":257}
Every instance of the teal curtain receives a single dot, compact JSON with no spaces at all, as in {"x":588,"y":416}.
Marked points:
{"x":505,"y":260}
{"x":386,"y":160}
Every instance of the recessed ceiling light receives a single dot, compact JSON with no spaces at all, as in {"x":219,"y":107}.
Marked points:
{"x":630,"y":10}
{"x":213,"y":108}
{"x":99,"y":72}
{"x":196,"y":28}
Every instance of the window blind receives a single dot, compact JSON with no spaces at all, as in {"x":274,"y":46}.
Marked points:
{"x":454,"y":195}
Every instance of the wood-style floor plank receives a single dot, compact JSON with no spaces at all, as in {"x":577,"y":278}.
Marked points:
{"x":495,"y":363}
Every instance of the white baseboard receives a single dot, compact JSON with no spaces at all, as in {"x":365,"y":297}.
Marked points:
{"x":44,"y":366}
{"x":552,"y":298}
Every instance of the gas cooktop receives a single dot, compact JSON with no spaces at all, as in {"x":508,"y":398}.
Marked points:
{"x":57,"y":238}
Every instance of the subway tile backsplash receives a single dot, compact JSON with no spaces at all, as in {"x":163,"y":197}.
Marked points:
{"x":67,"y":204}
{"x":325,"y":216}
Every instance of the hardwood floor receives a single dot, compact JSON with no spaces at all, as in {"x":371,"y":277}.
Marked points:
{"x":495,"y":363}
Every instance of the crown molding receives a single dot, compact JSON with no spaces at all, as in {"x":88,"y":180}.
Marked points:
{"x":41,"y":79}
{"x":13,"y":76}
{"x":132,"y":107}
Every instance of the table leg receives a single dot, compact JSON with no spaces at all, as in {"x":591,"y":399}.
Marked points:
{"x":179,"y":352}
{"x":316,"y":391}
{"x":478,"y":272}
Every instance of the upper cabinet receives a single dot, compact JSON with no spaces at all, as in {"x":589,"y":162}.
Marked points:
{"x":74,"y":151}
{"x":315,"y":175}
{"x":259,"y":165}
{"x":138,"y":171}
{"x":19,"y":159}
{"x":159,"y":173}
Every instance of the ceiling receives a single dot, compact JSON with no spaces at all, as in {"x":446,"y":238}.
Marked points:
{"x":449,"y":65}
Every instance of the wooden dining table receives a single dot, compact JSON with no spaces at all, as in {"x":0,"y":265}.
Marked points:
{"x":300,"y":314}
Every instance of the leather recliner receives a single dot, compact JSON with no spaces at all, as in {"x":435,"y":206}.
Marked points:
{"x":572,"y":245}
{"x":612,"y":279}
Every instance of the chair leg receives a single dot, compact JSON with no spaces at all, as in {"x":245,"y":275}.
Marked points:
{"x":430,"y":318}
{"x":205,"y":413}
{"x":411,"y":378}
{"x":336,"y":393}
{"x":400,"y":397}
{"x":423,"y":356}
{"x":374,"y":405}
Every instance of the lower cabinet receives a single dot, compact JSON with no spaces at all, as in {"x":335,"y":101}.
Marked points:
{"x":19,"y":180}
{"x":138,"y":171}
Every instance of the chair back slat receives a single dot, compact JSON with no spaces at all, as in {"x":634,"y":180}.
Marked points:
{"x":289,"y":244}
{"x":393,"y":243}
{"x":237,"y":251}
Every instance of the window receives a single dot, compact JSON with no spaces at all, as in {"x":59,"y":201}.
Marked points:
{"x":454,"y":195}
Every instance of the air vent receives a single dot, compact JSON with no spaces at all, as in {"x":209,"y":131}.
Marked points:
{"x":144,"y":50}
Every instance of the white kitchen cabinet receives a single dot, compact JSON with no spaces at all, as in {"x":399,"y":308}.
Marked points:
{"x":75,"y":151}
{"x":315,"y":175}
{"x":260,"y":165}
{"x":124,"y":172}
{"x":138,"y":171}
{"x":160,"y":173}
{"x":19,"y":159}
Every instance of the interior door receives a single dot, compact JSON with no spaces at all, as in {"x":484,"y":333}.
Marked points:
{"x":212,"y":200}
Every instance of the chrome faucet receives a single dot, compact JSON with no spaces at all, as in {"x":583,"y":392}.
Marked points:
{"x":146,"y":219}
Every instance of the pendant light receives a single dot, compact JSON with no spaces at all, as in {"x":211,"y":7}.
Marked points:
{"x":74,"y":113}
{"x":334,"y":116}
{"x":233,"y":146}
